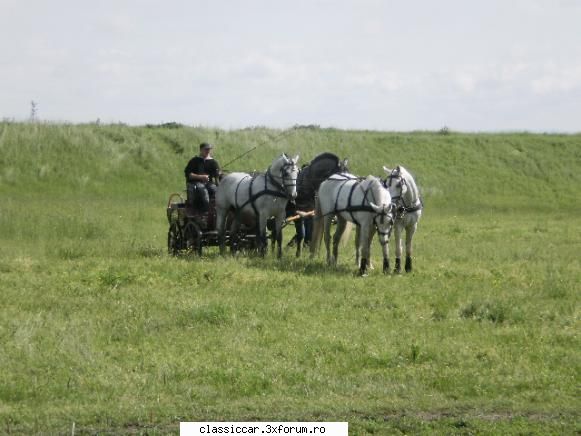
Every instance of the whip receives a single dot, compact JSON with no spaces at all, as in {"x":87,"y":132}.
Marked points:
{"x":260,"y":144}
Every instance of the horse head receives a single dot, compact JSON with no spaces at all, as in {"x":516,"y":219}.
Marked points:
{"x":402,"y":187}
{"x":395,"y":182}
{"x":286,"y":170}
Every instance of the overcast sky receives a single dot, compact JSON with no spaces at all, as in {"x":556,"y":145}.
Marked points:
{"x":480,"y":65}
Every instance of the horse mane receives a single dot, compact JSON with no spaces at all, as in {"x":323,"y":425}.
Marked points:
{"x":376,"y":186}
{"x":276,"y":163}
{"x":312,"y":175}
{"x":325,"y":155}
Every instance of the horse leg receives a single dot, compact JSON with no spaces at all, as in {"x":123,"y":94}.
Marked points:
{"x":272,"y":239}
{"x":220,"y":223}
{"x":384,"y":241}
{"x":261,"y":235}
{"x":327,"y":238}
{"x":364,"y":247}
{"x":357,"y":250}
{"x":397,"y":236}
{"x":409,"y":234}
{"x":278,"y":227}
{"x":234,"y":227}
{"x":341,"y":224}
{"x":358,"y":247}
{"x":370,"y":239}
{"x":408,"y":264}
{"x":300,"y":233}
{"x":316,"y":230}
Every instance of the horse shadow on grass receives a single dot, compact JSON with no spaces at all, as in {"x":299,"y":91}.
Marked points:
{"x":303,"y":266}
{"x":288,"y":263}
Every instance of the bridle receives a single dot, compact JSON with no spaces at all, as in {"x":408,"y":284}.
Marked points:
{"x":383,"y":215}
{"x":398,"y":201}
{"x":286,"y":179}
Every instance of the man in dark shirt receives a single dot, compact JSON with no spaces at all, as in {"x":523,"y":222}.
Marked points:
{"x":202,"y":173}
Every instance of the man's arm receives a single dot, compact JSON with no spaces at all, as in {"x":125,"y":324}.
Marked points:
{"x":216,"y":172}
{"x":199,"y":177}
{"x":195,"y":170}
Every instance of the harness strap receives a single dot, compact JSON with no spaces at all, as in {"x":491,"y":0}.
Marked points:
{"x":349,"y":202}
{"x":253,"y":197}
{"x":238,"y":186}
{"x":413,"y":209}
{"x":270,"y":177}
{"x":339,"y":193}
{"x":402,"y":209}
{"x":350,"y":208}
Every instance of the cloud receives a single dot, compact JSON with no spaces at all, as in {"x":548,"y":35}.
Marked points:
{"x":119,"y":24}
{"x":557,"y":79}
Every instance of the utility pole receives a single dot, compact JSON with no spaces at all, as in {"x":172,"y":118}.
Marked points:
{"x":33,"y":110}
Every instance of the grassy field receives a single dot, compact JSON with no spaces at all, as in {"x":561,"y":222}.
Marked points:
{"x":101,"y":330}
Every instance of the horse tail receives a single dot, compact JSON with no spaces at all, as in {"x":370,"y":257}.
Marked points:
{"x":346,"y":234}
{"x":317,"y":231}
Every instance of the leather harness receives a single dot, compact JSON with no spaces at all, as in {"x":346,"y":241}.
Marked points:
{"x":252,"y":197}
{"x":351,"y":209}
{"x":400,"y":205}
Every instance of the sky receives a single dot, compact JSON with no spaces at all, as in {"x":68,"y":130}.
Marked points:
{"x":392,"y":65}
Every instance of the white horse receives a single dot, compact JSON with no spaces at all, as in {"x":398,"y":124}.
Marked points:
{"x":407,"y":211}
{"x":254,"y":199}
{"x":363,"y":202}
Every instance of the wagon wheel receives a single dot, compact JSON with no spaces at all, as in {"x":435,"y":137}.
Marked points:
{"x":174,"y":239}
{"x":193,"y":238}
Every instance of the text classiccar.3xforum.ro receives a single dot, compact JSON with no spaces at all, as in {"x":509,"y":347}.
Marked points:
{"x":266,"y":429}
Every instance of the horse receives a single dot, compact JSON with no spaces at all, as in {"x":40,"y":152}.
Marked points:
{"x":310,"y":178}
{"x":363,"y":202}
{"x":254,"y":199}
{"x":408,"y":210}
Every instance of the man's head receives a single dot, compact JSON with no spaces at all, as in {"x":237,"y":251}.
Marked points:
{"x":205,"y":148}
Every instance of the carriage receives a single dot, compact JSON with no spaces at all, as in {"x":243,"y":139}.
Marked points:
{"x":191,"y":229}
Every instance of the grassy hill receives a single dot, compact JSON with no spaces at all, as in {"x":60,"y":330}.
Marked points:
{"x":456,"y":170}
{"x":100,"y":329}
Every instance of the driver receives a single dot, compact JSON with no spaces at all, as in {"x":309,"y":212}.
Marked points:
{"x":202,"y":173}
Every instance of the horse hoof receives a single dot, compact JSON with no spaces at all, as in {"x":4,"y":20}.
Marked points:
{"x":408,"y":264}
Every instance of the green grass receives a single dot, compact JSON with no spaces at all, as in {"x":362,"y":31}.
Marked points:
{"x":99,"y":327}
